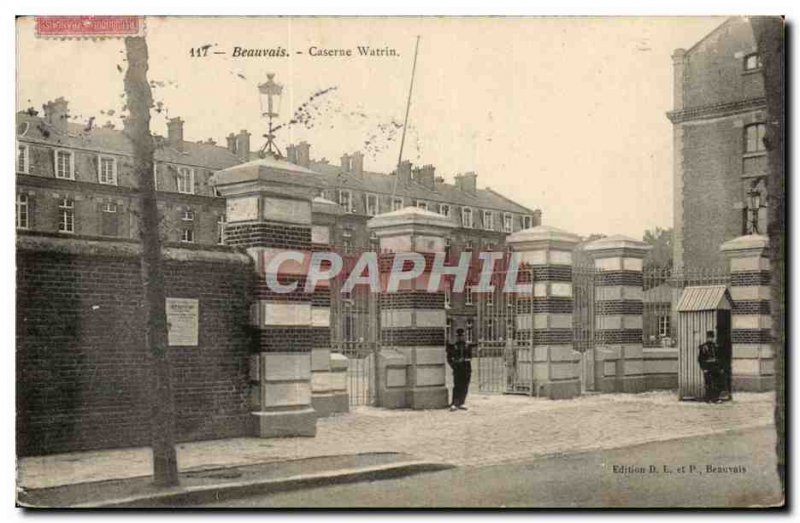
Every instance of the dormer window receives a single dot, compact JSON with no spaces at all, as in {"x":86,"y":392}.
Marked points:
{"x":185,"y":180}
{"x":752,"y":62}
{"x":527,"y":222}
{"x":23,"y":158}
{"x":488,"y":220}
{"x":466,"y":217}
{"x":397,"y":203}
{"x":64,"y":164}
{"x":346,"y":200}
{"x":444,"y":209}
{"x":372,"y":204}
{"x":422,"y":205}
{"x":107,"y":170}
{"x":508,"y":222}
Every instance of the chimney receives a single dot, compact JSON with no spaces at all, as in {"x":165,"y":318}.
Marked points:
{"x":678,"y":72}
{"x":537,"y":217}
{"x":291,"y":153}
{"x":357,"y":163}
{"x":346,"y":163}
{"x":304,"y":154}
{"x":467,"y":182}
{"x":243,"y":145}
{"x":175,"y":132}
{"x":56,"y":114}
{"x":404,"y":172}
{"x":426,"y":176}
{"x":231,"y":139}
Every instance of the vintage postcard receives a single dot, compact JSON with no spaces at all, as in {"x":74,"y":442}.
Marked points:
{"x":402,"y":262}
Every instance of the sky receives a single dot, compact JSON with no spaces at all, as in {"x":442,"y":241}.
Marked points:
{"x":564,"y":114}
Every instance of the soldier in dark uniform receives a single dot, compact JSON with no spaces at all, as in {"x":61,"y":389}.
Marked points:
{"x":459,"y":357}
{"x":708,"y":356}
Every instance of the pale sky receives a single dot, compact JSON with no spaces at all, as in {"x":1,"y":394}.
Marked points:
{"x":562,"y":114}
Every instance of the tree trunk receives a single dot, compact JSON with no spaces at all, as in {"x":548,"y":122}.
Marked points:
{"x":768,"y":32}
{"x":139,"y":100}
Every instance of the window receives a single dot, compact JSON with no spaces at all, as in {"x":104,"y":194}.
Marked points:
{"x":466,"y":217}
{"x":448,"y":295}
{"x":488,"y":220}
{"x":65,"y":165}
{"x":66,"y":215}
{"x":372,"y":205}
{"x":397,"y":203}
{"x":754,"y":138}
{"x":23,"y":158}
{"x":469,"y":246}
{"x":422,"y":205}
{"x":448,"y":246}
{"x":527,"y":222}
{"x":663,"y":326}
{"x":108,"y":219}
{"x":470,"y":334}
{"x":187,"y":235}
{"x":346,"y":200}
{"x":508,"y":222}
{"x":155,"y":176}
{"x":221,"y":229}
{"x":444,"y":209}
{"x":107,"y":170}
{"x":469,"y":295}
{"x":347,"y":245}
{"x":752,"y":62}
{"x":448,"y":329}
{"x":185,"y":180}
{"x":489,"y":299}
{"x":188,"y":215}
{"x":23,"y":214}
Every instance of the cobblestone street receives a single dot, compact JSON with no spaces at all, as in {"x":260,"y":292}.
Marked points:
{"x":495,"y":429}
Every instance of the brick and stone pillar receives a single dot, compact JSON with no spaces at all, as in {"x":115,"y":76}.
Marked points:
{"x":326,"y":396}
{"x":269,"y":214}
{"x":619,"y":352}
{"x":549,"y":251}
{"x":413,"y":320}
{"x":753,"y":363}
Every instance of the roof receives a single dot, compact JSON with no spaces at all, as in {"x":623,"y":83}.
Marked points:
{"x":114,"y":141}
{"x":704,"y":298}
{"x":382,"y":183}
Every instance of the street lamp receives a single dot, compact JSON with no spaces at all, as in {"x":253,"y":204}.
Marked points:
{"x":270,"y":96}
{"x":754,"y":205}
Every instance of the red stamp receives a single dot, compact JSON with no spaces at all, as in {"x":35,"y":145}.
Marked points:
{"x":89,"y":26}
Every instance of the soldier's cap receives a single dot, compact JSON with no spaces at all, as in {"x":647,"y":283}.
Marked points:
{"x":709,"y":334}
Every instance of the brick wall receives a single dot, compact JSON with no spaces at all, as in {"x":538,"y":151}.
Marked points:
{"x":82,"y":368}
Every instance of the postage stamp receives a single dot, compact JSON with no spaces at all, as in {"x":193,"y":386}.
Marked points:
{"x":89,"y":26}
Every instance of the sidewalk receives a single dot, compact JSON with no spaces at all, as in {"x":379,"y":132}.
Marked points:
{"x":497,"y":428}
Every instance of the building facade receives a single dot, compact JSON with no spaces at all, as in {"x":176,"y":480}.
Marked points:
{"x":720,"y":162}
{"x":78,"y":181}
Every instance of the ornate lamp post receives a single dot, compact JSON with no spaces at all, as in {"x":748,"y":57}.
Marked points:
{"x":754,"y":205}
{"x":270,"y":96}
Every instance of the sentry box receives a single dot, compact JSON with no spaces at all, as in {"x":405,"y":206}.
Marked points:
{"x":702,"y":308}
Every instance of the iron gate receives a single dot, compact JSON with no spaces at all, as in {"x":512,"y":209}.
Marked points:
{"x":355,"y":333}
{"x":505,"y":337}
{"x":507,"y":329}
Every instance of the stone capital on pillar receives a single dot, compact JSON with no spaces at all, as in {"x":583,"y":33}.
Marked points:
{"x":413,"y":320}
{"x":549,"y":251}
{"x":753,"y":363}
{"x":268,"y":210}
{"x":411,"y":229}
{"x":618,"y":246}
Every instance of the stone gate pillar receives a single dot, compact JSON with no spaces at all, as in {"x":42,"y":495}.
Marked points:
{"x":753,"y":363}
{"x":269,"y":214}
{"x":550,"y":253}
{"x":619,"y":355}
{"x":413,"y":320}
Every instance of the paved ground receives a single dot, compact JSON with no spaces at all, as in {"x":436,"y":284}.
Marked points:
{"x":496,"y":429}
{"x":579,"y":480}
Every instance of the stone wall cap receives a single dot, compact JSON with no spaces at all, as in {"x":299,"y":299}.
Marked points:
{"x":616,"y":241}
{"x":543,"y":233}
{"x":410,"y":215}
{"x":325,"y":206}
{"x":745,"y":243}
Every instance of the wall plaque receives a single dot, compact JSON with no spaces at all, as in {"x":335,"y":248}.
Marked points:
{"x":182,"y":322}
